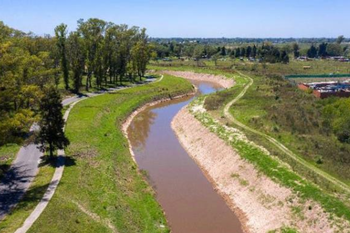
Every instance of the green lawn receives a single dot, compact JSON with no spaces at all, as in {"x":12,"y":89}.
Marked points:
{"x":101,"y":189}
{"x":8,"y":153}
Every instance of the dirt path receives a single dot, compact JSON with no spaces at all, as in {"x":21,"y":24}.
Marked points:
{"x":276,"y":143}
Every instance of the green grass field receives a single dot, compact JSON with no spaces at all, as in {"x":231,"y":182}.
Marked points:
{"x":7,"y":155}
{"x":102,"y":189}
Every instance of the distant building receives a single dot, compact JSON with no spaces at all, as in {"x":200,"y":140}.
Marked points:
{"x":327,"y":89}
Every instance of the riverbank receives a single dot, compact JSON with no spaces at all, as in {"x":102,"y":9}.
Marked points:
{"x":131,"y":117}
{"x":101,"y":189}
{"x":262,"y":203}
{"x":219,"y":79}
{"x":178,"y":181}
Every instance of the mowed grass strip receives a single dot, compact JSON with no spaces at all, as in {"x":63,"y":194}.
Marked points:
{"x":102,"y":189}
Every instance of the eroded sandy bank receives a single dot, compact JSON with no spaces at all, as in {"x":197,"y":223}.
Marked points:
{"x":130,"y":118}
{"x":221,"y":80}
{"x":261,"y":203}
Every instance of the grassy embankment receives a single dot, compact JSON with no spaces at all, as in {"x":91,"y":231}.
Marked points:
{"x":102,"y":189}
{"x":9,"y":151}
{"x":40,"y":183}
{"x":273,"y":168}
{"x":276,"y":108}
{"x":265,"y":163}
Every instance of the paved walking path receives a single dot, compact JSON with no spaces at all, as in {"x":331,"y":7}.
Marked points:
{"x":22,"y":172}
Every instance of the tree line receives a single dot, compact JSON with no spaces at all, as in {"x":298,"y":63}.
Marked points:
{"x":106,"y":52}
{"x":266,"y":52}
{"x":97,"y":53}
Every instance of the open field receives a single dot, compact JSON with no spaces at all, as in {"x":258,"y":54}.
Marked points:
{"x":293,"y":67}
{"x":101,"y":188}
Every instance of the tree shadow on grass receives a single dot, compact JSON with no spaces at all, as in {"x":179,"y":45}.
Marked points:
{"x":3,"y":169}
{"x":12,"y":187}
{"x":16,"y":198}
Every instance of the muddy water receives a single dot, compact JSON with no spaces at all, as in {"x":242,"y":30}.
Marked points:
{"x":187,"y":197}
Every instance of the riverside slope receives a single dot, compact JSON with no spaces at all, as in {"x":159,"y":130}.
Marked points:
{"x":261,"y":203}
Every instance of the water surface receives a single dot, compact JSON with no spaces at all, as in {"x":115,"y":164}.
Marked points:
{"x":187,"y":197}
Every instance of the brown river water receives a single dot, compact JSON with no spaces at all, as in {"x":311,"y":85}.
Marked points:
{"x":187,"y":197}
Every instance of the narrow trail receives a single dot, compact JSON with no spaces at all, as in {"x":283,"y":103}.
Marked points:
{"x":276,"y":143}
{"x":39,"y":209}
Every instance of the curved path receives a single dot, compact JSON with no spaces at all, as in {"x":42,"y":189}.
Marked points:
{"x":25,"y":167}
{"x":278,"y":144}
{"x":22,"y":172}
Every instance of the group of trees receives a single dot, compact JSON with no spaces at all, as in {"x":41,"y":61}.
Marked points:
{"x":327,"y":49}
{"x":33,"y":67}
{"x":27,"y":64}
{"x":266,"y":53}
{"x":106,"y":52}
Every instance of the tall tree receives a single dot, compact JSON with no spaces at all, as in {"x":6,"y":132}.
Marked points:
{"x":340,"y":39}
{"x":296,"y":49}
{"x":254,"y":52}
{"x":51,"y":135}
{"x":312,"y":52}
{"x":223,"y":51}
{"x":284,"y":57}
{"x":76,"y":58}
{"x":322,"y":50}
{"x":249,"y":51}
{"x":92,"y":31}
{"x":243,"y":52}
{"x":238,"y":52}
{"x":61,"y":35}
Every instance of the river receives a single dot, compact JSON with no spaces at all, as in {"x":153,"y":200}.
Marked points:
{"x":187,"y":197}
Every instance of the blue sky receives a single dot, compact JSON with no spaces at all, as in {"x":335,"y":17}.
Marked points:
{"x":188,"y":18}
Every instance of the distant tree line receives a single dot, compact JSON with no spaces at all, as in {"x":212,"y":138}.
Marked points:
{"x":98,"y":53}
{"x":265,"y":53}
{"x":325,"y":49}
{"x":226,"y":41}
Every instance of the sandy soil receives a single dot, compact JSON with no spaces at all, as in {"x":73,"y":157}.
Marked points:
{"x":260,"y":203}
{"x":222,"y":80}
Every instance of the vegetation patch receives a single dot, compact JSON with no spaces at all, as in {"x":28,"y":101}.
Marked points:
{"x":269,"y":165}
{"x":8,"y":153}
